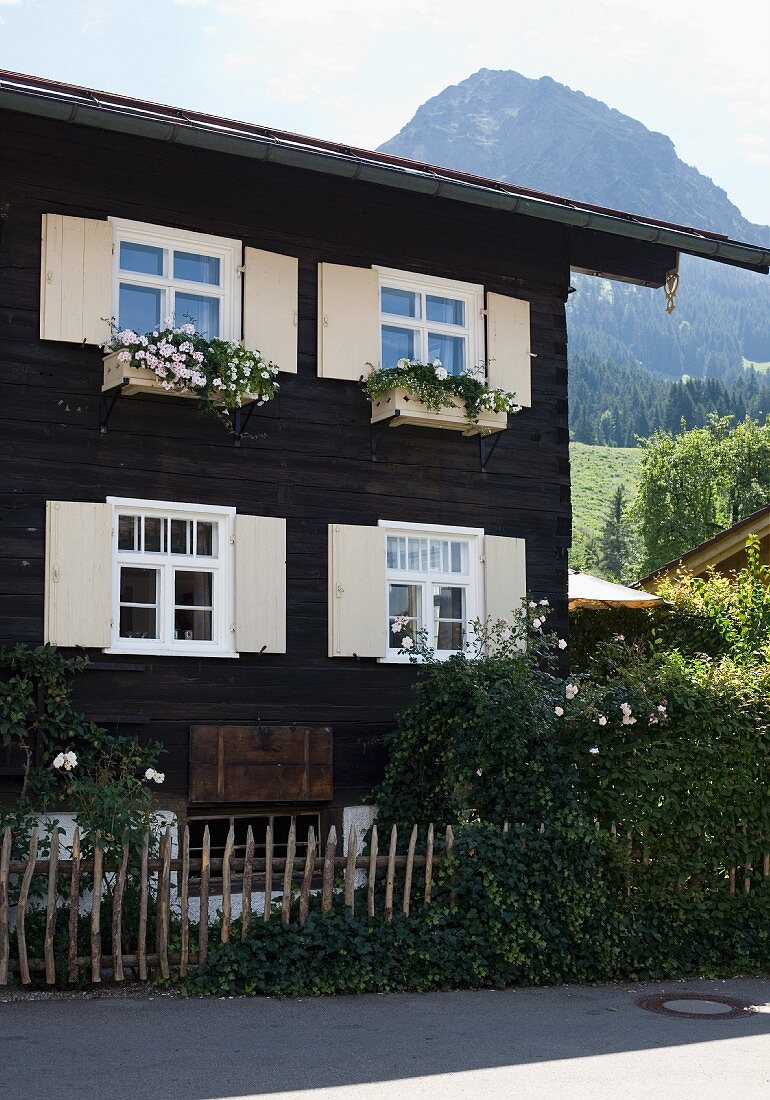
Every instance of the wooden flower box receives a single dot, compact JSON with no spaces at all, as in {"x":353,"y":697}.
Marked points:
{"x":140,"y":380}
{"x":400,"y":408}
{"x":134,"y":379}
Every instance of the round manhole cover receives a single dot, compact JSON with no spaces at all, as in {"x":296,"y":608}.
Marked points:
{"x":696,"y":1006}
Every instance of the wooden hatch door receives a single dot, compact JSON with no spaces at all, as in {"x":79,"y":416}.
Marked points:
{"x":260,"y":763}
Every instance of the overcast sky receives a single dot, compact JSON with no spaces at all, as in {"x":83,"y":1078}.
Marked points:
{"x":356,"y":71}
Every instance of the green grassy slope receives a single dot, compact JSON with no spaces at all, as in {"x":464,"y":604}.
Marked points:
{"x":596,"y":473}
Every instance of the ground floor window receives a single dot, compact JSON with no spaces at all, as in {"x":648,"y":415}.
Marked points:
{"x":433,"y":585}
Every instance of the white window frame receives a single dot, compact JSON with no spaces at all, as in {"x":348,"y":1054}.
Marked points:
{"x":228,"y":251}
{"x":474,"y":607}
{"x":472,"y":294}
{"x":223,"y":567}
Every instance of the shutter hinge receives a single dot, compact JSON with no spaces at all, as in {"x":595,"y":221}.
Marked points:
{"x":483,"y":559}
{"x":326,"y":321}
{"x":232,"y":540}
{"x":295,"y":319}
{"x":338,"y":590}
{"x":483,"y":312}
{"x":56,"y":573}
{"x":241,"y":270}
{"x":232,"y":628}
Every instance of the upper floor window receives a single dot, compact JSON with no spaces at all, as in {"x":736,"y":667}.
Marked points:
{"x":170,"y":274}
{"x":172,"y":578}
{"x":426,"y":319}
{"x":433,"y":580}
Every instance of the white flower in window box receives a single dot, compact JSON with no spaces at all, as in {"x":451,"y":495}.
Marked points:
{"x":426,"y":395}
{"x":182,"y":363}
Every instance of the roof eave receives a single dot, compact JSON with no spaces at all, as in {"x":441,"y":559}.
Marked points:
{"x":45,"y":102}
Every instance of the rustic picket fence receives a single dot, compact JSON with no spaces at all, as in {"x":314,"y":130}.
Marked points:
{"x":269,"y":875}
{"x":638,"y":854}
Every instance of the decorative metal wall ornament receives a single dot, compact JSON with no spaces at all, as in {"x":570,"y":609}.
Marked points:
{"x":671,"y":287}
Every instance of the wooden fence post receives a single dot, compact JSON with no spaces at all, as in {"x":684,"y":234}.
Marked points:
{"x":96,"y":906}
{"x":5,"y":939}
{"x":203,"y":923}
{"x":268,"y":872}
{"x":391,"y":874}
{"x":117,"y":918}
{"x":327,"y":888}
{"x":248,"y":865}
{"x":428,"y":864}
{"x":141,"y":939}
{"x":163,"y":902}
{"x":50,"y":913}
{"x":21,"y":908}
{"x":350,"y":869}
{"x":409,"y":870}
{"x":307,"y":877}
{"x":183,"y":889}
{"x":449,"y":843}
{"x":226,"y":885}
{"x":291,"y":849}
{"x":72,"y":937}
{"x":372,"y":872}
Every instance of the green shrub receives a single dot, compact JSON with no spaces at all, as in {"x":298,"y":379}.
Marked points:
{"x":685,"y":769}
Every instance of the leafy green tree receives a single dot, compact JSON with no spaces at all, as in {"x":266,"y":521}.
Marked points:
{"x":678,"y":503}
{"x":697,"y":483}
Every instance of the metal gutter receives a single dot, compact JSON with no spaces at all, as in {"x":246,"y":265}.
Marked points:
{"x":100,"y":110}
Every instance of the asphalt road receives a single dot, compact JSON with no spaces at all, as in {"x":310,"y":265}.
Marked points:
{"x":571,"y":1043}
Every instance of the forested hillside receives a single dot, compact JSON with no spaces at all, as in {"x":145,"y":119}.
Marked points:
{"x":612,"y":404}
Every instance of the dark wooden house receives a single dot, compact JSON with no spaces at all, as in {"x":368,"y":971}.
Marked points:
{"x":233,"y":592}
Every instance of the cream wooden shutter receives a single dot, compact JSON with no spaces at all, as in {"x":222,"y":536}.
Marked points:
{"x":75,"y":280}
{"x":508,"y":346}
{"x":357,"y":597}
{"x":78,"y":574}
{"x":348,"y":321}
{"x":270,"y":307}
{"x":505,"y":575}
{"x":260,"y":584}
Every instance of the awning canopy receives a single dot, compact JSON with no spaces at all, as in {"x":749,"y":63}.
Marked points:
{"x":593,"y":593}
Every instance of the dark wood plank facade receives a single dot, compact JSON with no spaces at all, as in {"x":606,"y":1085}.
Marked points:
{"x":309,"y":458}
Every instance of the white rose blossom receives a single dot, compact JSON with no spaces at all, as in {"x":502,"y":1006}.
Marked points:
{"x":594,"y":751}
{"x":562,"y":643}
{"x":558,"y":711}
{"x":406,"y":643}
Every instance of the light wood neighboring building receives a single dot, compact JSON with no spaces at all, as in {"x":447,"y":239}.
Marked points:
{"x":725,"y":552}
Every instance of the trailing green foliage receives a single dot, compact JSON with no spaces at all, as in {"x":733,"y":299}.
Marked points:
{"x":511,"y":909}
{"x":436,"y":388}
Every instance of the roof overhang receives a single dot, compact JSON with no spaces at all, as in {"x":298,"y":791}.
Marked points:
{"x":105,"y":111}
{"x":712,"y":552}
